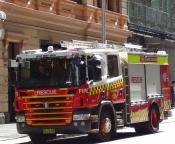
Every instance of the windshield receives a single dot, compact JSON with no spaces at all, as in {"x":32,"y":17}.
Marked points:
{"x":51,"y":73}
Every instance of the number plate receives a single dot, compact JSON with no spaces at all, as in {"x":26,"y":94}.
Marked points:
{"x":48,"y":131}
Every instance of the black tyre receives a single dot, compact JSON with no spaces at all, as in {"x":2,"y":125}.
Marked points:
{"x":106,"y":126}
{"x":153,"y":124}
{"x":40,"y":138}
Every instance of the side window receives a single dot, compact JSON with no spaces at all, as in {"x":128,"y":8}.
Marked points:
{"x":113,"y":70}
{"x":94,"y":68}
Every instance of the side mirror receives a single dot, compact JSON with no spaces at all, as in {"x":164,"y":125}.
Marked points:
{"x":90,"y":82}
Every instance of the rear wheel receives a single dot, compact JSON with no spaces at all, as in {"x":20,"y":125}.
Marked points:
{"x":153,"y":125}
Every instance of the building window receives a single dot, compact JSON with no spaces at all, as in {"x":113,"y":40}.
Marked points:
{"x":114,"y":5}
{"x":118,"y":6}
{"x":13,"y":49}
{"x":99,"y":3}
{"x":162,"y":5}
{"x":111,"y":5}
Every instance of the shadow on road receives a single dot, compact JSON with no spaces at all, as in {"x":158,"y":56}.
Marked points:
{"x":87,"y":140}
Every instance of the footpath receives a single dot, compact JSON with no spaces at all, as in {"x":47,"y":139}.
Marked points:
{"x":9,"y":132}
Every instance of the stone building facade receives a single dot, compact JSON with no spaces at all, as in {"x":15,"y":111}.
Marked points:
{"x":30,"y":23}
{"x":153,"y":25}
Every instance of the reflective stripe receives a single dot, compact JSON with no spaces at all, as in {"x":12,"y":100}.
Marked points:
{"x":162,"y":60}
{"x":167,"y":105}
{"x":139,"y":116}
{"x":48,"y":96}
{"x":110,"y":86}
{"x":30,"y":90}
{"x":134,"y":58}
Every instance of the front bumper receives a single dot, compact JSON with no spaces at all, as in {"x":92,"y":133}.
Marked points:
{"x":83,"y":121}
{"x":77,"y":127}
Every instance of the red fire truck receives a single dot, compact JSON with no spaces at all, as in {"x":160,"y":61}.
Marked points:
{"x":88,"y":87}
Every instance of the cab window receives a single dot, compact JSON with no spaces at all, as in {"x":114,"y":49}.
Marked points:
{"x":94,"y":68}
{"x":112,"y":63}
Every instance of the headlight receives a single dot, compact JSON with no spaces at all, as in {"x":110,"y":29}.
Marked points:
{"x":20,"y":118}
{"x":81,"y":117}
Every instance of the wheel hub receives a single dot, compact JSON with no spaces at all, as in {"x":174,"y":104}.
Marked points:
{"x":154,"y":118}
{"x":107,"y":125}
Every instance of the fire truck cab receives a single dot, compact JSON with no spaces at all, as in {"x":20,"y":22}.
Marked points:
{"x":88,"y":87}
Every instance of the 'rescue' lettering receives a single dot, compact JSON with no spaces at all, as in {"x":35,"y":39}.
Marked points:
{"x":136,"y":79}
{"x":46,"y":92}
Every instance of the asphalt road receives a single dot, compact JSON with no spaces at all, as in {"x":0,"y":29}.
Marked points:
{"x":9,"y":135}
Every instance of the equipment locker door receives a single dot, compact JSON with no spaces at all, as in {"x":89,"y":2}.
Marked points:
{"x":137,"y":93}
{"x":153,"y":80}
{"x":137,"y":82}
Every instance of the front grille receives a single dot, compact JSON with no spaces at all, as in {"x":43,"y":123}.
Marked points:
{"x":52,"y":110}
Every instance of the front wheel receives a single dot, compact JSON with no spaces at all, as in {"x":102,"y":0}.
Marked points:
{"x":106,"y":126}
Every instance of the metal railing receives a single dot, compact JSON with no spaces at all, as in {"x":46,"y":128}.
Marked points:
{"x":151,"y":18}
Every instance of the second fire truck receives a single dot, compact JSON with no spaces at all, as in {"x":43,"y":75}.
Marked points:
{"x":87,"y":87}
